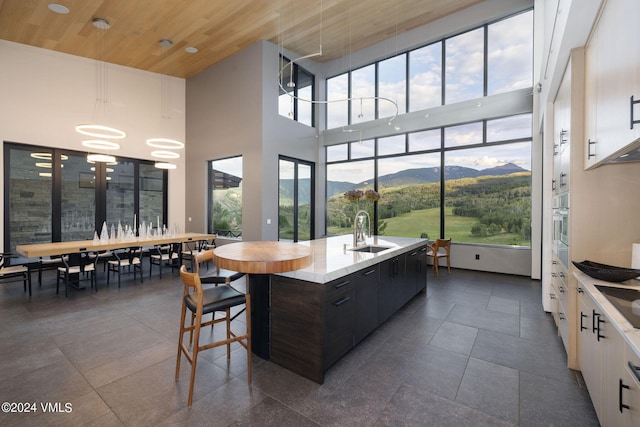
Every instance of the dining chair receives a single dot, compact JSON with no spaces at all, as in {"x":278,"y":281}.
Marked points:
{"x":441,"y":248}
{"x":14,"y":273}
{"x":76,"y":268}
{"x":123,"y":261}
{"x":217,"y":299}
{"x":192,"y":250}
{"x":164,"y":255}
{"x":50,"y":263}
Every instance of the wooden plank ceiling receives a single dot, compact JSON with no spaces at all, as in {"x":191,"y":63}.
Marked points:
{"x":217,"y":28}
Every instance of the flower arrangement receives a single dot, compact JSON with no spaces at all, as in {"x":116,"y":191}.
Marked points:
{"x":356,"y":195}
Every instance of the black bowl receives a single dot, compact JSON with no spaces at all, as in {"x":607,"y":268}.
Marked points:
{"x":606,"y":272}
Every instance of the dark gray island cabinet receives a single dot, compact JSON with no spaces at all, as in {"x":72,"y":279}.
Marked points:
{"x":314,"y":324}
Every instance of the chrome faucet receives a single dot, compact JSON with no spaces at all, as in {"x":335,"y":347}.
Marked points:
{"x":358,"y":232}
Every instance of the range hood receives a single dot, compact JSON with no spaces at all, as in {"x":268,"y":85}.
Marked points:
{"x":627,"y":154}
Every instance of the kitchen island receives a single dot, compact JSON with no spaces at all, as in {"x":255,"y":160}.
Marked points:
{"x":320,"y":312}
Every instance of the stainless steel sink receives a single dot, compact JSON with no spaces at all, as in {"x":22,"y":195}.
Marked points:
{"x":371,"y":249}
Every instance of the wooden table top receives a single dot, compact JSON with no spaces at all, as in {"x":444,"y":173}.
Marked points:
{"x":263,"y":257}
{"x":61,"y":248}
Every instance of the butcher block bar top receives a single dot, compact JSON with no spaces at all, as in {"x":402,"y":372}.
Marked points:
{"x":335,"y":257}
{"x":262,"y":257}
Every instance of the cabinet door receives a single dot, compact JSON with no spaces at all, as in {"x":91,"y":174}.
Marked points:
{"x":590,"y":356}
{"x":366,"y":295}
{"x":617,"y":63}
{"x":388,"y":289}
{"x":630,"y":397}
{"x":417,"y":269}
{"x":591,"y":101}
{"x":339,"y":326}
{"x":612,"y":371}
{"x":561,"y":136}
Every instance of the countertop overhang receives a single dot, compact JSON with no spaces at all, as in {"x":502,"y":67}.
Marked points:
{"x":334,"y":257}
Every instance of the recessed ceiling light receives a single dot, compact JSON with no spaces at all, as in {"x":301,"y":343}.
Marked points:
{"x":191,"y":49}
{"x":101,"y":23}
{"x":58,"y":8}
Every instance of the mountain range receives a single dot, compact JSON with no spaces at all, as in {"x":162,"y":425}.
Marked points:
{"x":424,"y":176}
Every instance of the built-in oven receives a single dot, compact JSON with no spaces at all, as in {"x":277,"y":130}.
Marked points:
{"x":561,"y":228}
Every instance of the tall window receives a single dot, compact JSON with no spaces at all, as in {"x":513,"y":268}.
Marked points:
{"x":469,"y":182}
{"x":342,"y":177}
{"x":363,"y":88}
{"x":296,"y":92}
{"x":27,"y":193}
{"x":295,"y":200}
{"x":54,"y":195}
{"x":507,"y":68}
{"x":425,"y":77}
{"x":78,"y":197}
{"x":491,"y":59}
{"x":225,"y":197}
{"x":337,"y":108}
{"x":464,"y":71}
{"x":392,"y":84}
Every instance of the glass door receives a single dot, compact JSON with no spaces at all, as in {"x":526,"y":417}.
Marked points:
{"x":295,"y":200}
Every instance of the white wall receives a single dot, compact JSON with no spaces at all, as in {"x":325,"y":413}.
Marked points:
{"x":45,"y":94}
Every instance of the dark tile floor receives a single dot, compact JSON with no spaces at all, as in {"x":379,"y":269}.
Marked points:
{"x":475,"y":350}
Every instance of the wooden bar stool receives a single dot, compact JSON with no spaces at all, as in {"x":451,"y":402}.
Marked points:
{"x":210,"y":300}
{"x":441,"y":248}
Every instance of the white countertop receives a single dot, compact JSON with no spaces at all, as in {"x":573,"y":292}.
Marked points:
{"x":631,"y":335}
{"x":333,"y":257}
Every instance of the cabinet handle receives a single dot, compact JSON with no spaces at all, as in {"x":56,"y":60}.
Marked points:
{"x":562,"y":181}
{"x":553,"y":184}
{"x":621,"y":386}
{"x":341,"y":284}
{"x":580,"y":290}
{"x":341,"y":301}
{"x":561,"y":289}
{"x":555,"y":149}
{"x":563,"y":136}
{"x":589,"y":153}
{"x":582,"y":316}
{"x":561,"y":315}
{"x":635,"y":369}
{"x":554,"y":274}
{"x":414,"y":253}
{"x":554,"y":262}
{"x":631,"y":104}
{"x":368,"y":273}
{"x":561,"y":274}
{"x":552,"y":296}
{"x":596,"y":325}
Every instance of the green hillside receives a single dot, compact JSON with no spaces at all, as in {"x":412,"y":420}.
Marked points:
{"x":487,"y":209}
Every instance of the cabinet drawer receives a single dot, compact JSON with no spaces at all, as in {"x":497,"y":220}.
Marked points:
{"x":338,"y":286}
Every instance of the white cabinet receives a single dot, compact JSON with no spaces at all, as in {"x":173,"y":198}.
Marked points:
{"x":612,"y":77}
{"x":630,"y":389}
{"x":601,"y":350}
{"x":562,"y":135}
{"x":608,"y":364}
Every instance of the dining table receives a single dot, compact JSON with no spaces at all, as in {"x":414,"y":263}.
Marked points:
{"x":36,"y":250}
{"x":260,"y":259}
{"x":39,"y":250}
